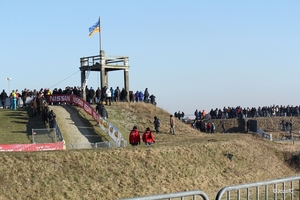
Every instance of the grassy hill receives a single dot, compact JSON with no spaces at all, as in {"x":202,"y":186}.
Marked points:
{"x":189,"y":160}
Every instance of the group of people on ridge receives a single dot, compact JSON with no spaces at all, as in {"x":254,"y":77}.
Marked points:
{"x":148,"y":136}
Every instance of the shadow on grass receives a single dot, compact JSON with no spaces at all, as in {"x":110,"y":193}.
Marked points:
{"x":84,"y":125}
{"x":35,"y":122}
{"x":18,"y":122}
{"x":293,"y":160}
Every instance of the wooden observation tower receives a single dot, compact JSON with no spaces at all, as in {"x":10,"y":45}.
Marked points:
{"x":103,"y":64}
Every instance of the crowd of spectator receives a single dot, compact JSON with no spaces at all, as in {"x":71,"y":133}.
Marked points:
{"x":179,"y":115}
{"x":116,"y":95}
{"x":239,"y":112}
{"x":93,"y":96}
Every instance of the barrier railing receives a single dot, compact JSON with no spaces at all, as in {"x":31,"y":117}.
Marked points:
{"x":282,"y":191}
{"x":181,"y":195}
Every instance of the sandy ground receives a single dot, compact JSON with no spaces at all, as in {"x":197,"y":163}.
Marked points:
{"x":73,"y":127}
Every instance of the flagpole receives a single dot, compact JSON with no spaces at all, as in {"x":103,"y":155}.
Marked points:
{"x":99,"y":81}
{"x":100,"y":35}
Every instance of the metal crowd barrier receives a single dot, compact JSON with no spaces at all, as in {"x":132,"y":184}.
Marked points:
{"x":173,"y":195}
{"x":281,"y":192}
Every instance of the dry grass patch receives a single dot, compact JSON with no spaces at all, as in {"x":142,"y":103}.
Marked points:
{"x":190,"y":160}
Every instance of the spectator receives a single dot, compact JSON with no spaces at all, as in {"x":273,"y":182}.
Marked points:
{"x":156,"y":124}
{"x":182,"y":115}
{"x":208,"y":127}
{"x":123,"y":95}
{"x":141,"y":96}
{"x":134,"y":137}
{"x":24,"y":96}
{"x":112,"y":94}
{"x":91,"y":95}
{"x":45,"y":111}
{"x":117,"y":94}
{"x":108,"y":97}
{"x":148,"y":137}
{"x":98,"y":95}
{"x":102,"y":111}
{"x":131,"y":96}
{"x":103,"y":94}
{"x":146,"y":95}
{"x":136,"y":96}
{"x":283,"y":125}
{"x":39,"y":102}
{"x":196,"y":113}
{"x":51,"y":119}
{"x":13,"y":100}
{"x":3,"y":97}
{"x":179,"y":115}
{"x":172,"y":125}
{"x":291,"y":126}
{"x":152,"y":99}
{"x":223,"y":127}
{"x":17,"y":99}
{"x":212,"y":128}
{"x":33,"y":106}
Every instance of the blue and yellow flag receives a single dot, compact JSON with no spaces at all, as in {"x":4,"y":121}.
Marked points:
{"x":95,"y":28}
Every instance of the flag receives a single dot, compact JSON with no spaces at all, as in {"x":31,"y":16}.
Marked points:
{"x":95,"y":28}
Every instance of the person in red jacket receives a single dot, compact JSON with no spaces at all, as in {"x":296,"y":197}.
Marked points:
{"x":148,"y":137}
{"x":134,"y":137}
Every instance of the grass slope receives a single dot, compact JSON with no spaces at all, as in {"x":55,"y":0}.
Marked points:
{"x":189,"y":160}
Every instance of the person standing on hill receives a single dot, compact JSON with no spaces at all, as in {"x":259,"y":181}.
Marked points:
{"x":13,"y":100}
{"x":291,"y":126}
{"x":146,"y":95}
{"x":117,"y":94}
{"x":223,"y":127}
{"x":112,"y":91}
{"x":98,"y":95}
{"x":102,"y":111}
{"x":152,"y":99}
{"x":51,"y":117}
{"x":91,"y":95}
{"x":33,"y":106}
{"x":3,"y":96}
{"x":148,"y":137}
{"x":134,"y":137}
{"x":172,"y":125}
{"x":156,"y":124}
{"x":212,"y":128}
{"x":208,"y":127}
{"x":45,"y":110}
{"x":108,"y":97}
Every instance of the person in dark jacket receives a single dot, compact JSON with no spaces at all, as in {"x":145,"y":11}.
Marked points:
{"x":3,"y":97}
{"x":102,"y":111}
{"x":91,"y":95}
{"x":33,"y":106}
{"x":146,"y":95}
{"x":51,"y":118}
{"x":156,"y":124}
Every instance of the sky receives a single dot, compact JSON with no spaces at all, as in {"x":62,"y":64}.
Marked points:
{"x":190,"y":54}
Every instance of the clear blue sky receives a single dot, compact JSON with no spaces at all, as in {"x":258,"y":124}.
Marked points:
{"x":191,"y":54}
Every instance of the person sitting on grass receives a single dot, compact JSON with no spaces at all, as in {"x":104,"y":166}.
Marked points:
{"x":148,"y":137}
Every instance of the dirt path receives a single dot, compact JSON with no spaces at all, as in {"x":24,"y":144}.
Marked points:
{"x":75,"y":129}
